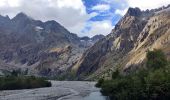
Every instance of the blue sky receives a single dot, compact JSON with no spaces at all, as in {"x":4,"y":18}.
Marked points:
{"x":83,"y":17}
{"x":105,"y":12}
{"x":113,"y":10}
{"x":108,"y":14}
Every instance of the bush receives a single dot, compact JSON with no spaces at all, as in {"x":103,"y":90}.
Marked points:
{"x":151,"y":84}
{"x":100,"y":82}
{"x":13,"y":83}
{"x":156,"y":59}
{"x":115,"y":74}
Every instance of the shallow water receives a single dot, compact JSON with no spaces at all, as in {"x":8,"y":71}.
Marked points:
{"x":95,"y":96}
{"x":60,"y":90}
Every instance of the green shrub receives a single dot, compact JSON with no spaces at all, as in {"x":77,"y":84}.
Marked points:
{"x":147,"y":84}
{"x":115,"y":74}
{"x":13,"y":82}
{"x":100,"y":82}
{"x":158,"y":84}
{"x":156,"y":59}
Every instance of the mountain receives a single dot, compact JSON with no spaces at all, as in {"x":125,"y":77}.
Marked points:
{"x":87,"y":41}
{"x":40,"y":48}
{"x":126,"y":46}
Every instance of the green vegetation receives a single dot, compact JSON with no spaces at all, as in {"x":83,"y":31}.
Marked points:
{"x":152,"y":83}
{"x":100,"y":82}
{"x":22,"y":82}
{"x":156,"y":59}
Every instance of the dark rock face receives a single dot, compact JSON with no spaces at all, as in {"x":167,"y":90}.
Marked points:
{"x":97,"y":37}
{"x":4,"y":20}
{"x":121,"y":40}
{"x":93,"y":56}
{"x":126,"y":45}
{"x":85,"y":38}
{"x":88,"y":42}
{"x":93,"y":39}
{"x":41,"y":47}
{"x":133,"y":12}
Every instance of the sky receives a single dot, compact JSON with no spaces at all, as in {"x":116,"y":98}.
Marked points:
{"x":83,"y":17}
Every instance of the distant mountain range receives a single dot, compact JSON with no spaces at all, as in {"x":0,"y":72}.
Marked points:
{"x":48,"y":49}
{"x":40,"y":48}
{"x":126,"y":46}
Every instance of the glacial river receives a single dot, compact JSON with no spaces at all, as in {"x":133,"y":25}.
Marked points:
{"x":60,"y":90}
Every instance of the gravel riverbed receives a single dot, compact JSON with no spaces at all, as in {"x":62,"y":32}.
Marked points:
{"x":60,"y":90}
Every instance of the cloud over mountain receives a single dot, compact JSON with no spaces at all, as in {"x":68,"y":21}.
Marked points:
{"x":78,"y":16}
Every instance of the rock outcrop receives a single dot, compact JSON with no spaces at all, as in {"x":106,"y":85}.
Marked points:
{"x":126,"y":46}
{"x":42,"y":48}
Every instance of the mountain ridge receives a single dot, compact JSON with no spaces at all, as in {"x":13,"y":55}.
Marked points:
{"x":118,"y":50}
{"x":37,"y":46}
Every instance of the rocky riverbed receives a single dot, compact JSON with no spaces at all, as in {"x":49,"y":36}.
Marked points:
{"x":60,"y":90}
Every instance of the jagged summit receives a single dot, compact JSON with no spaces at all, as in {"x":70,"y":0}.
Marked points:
{"x":43,"y":48}
{"x":97,"y":37}
{"x":138,"y":12}
{"x":52,"y":23}
{"x":159,"y":9}
{"x":7,"y":17}
{"x":4,"y":17}
{"x":54,"y":26}
{"x":94,"y":38}
{"x":133,"y":12}
{"x":21,"y":17}
{"x":126,"y":46}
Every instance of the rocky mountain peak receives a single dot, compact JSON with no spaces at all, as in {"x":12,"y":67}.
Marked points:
{"x":4,"y":17}
{"x":21,"y":16}
{"x":47,"y":47}
{"x":52,"y":22}
{"x":4,"y":20}
{"x":52,"y":26}
{"x":134,"y":12}
{"x":97,"y":37}
{"x":7,"y":17}
{"x":125,"y":48}
{"x":94,"y":38}
{"x":85,"y":38}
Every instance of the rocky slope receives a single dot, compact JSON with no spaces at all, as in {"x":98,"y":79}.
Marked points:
{"x":126,"y":46}
{"x":88,"y":42}
{"x":41,"y":48}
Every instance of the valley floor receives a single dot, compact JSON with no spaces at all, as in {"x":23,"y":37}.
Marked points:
{"x":60,"y":90}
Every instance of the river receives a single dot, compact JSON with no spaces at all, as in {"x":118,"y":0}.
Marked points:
{"x":60,"y":90}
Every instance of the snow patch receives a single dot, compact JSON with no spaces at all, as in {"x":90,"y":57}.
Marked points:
{"x":82,"y":40}
{"x":37,"y":28}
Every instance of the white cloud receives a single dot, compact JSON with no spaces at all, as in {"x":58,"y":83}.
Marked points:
{"x":70,"y":13}
{"x":74,"y":4}
{"x":142,"y":4}
{"x":2,"y":3}
{"x":10,"y":3}
{"x":99,"y":27}
{"x":101,"y":7}
{"x":148,"y":4}
{"x":121,"y":12}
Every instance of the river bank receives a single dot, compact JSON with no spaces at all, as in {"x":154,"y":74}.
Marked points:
{"x":60,"y":90}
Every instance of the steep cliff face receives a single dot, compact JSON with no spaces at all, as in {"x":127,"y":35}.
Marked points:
{"x":126,"y":45}
{"x":42,"y":48}
{"x":155,"y":35}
